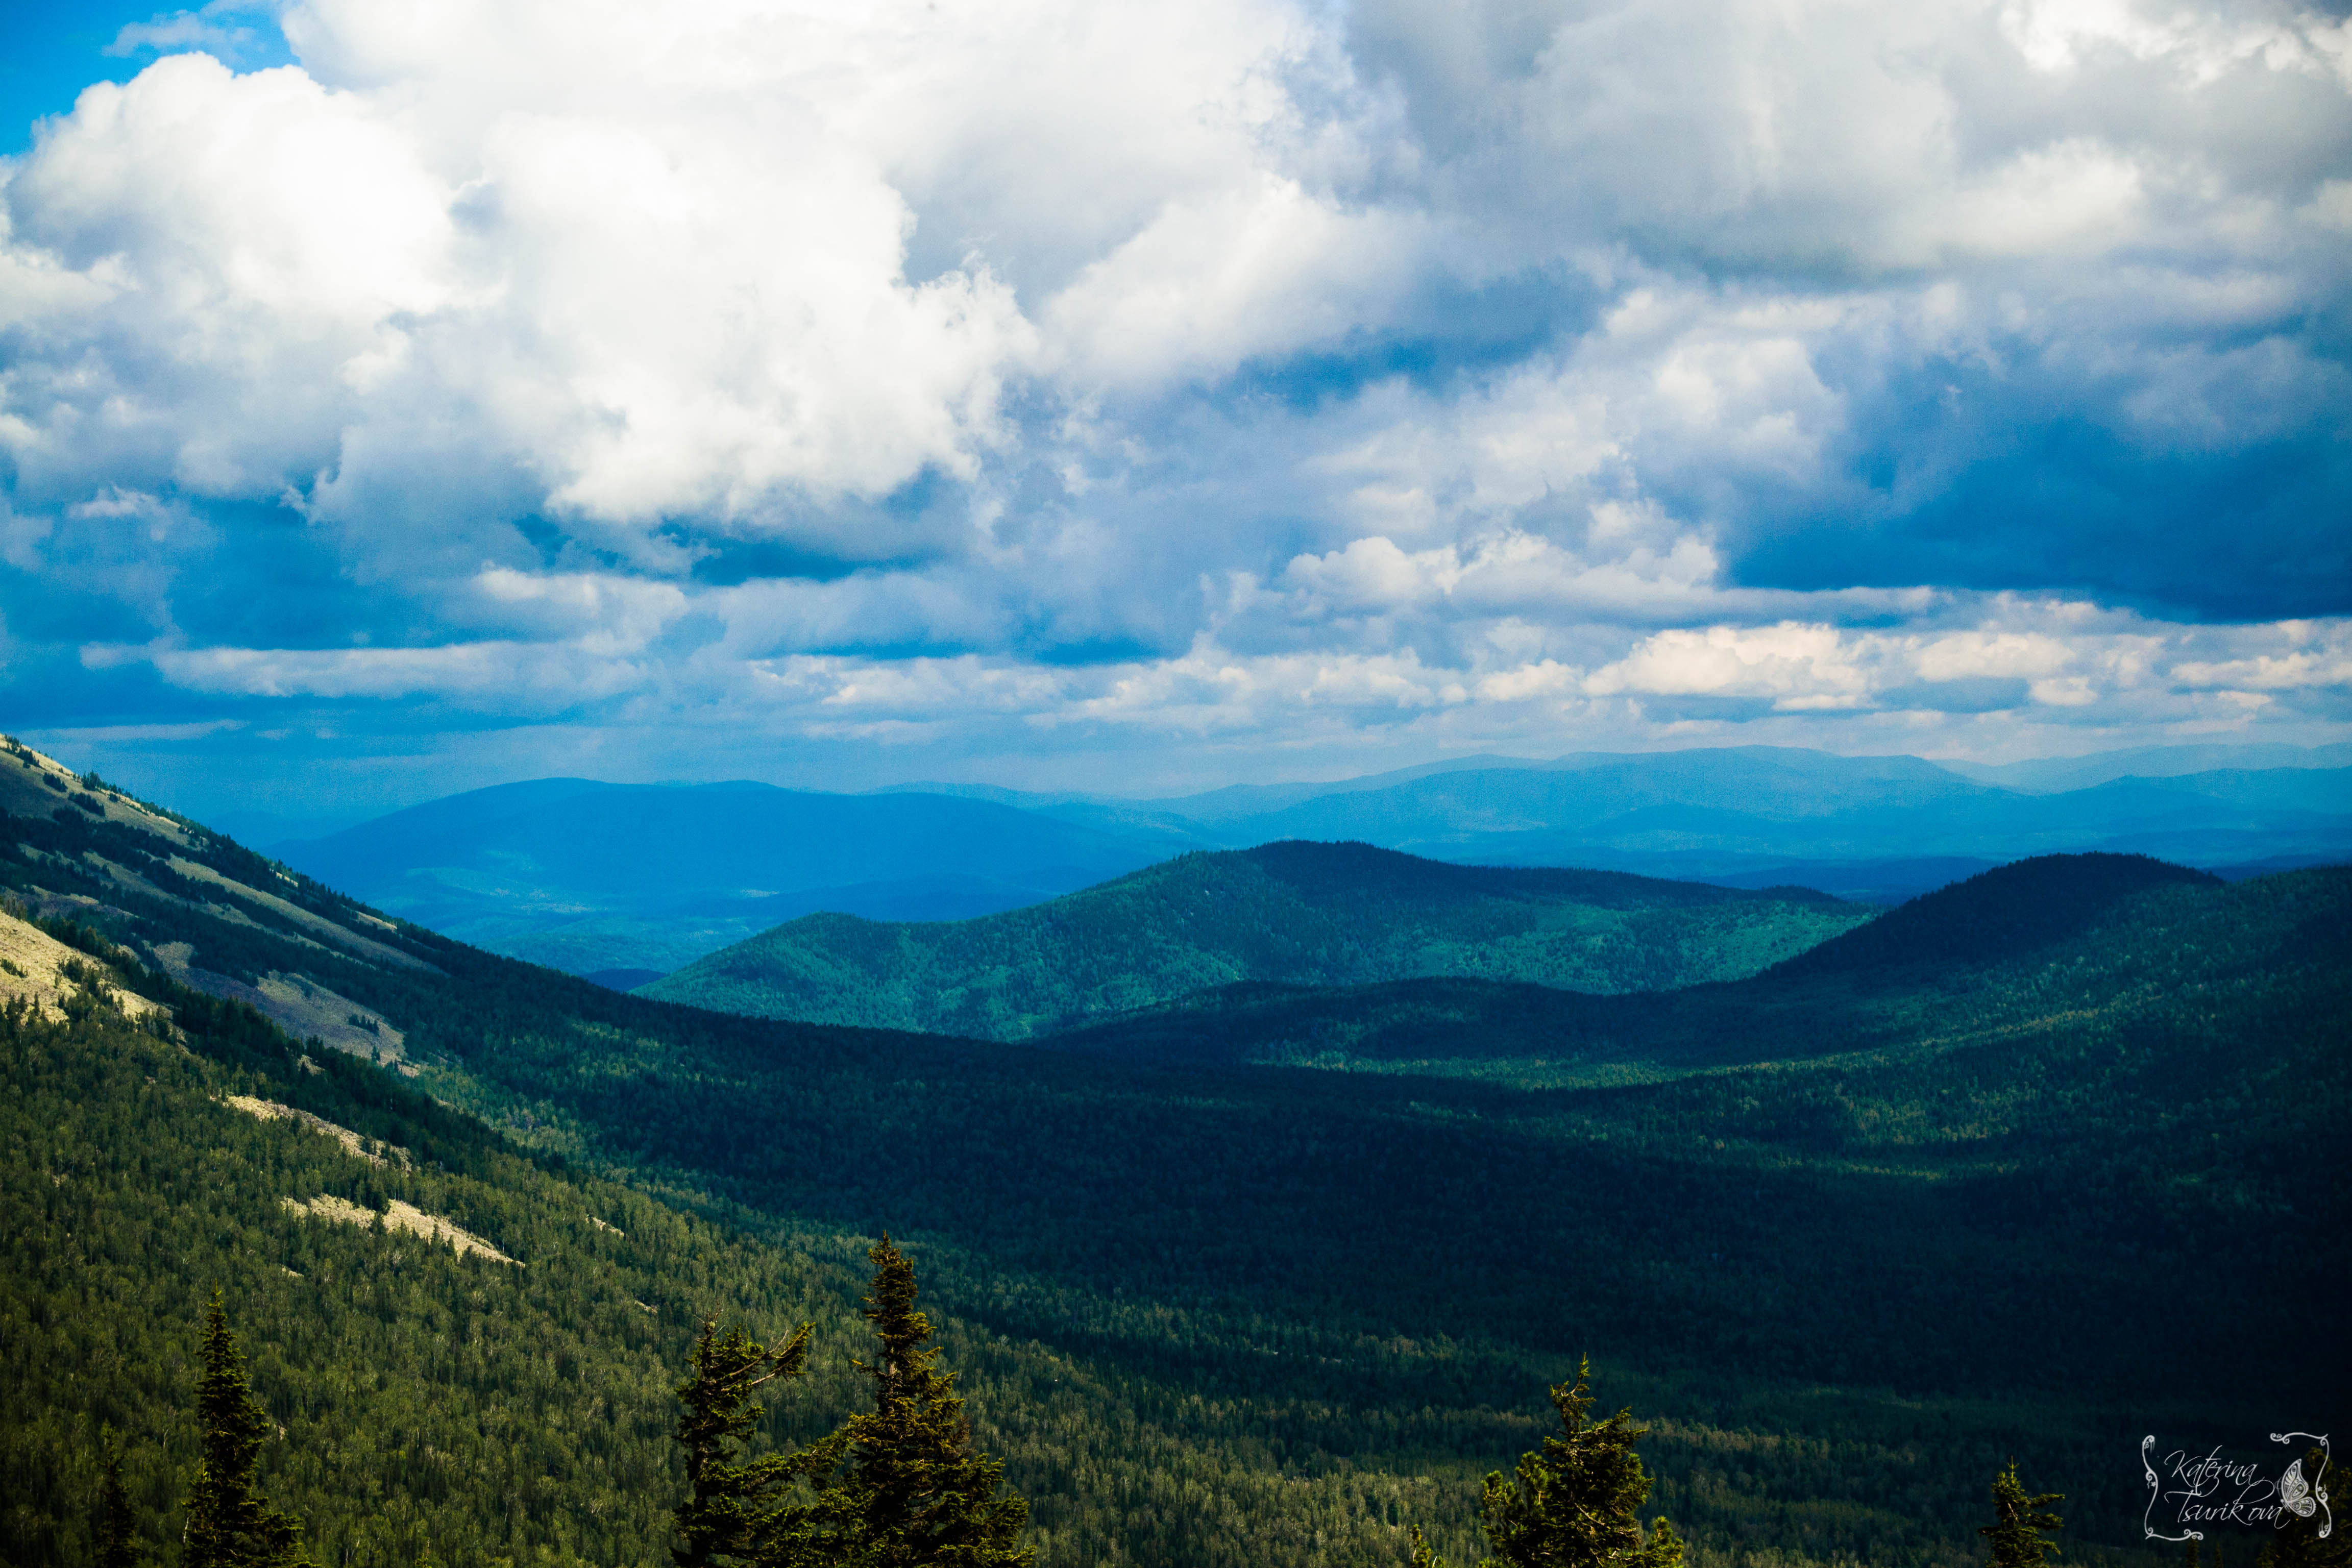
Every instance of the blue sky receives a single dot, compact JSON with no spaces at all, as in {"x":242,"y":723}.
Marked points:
{"x":397,"y":398}
{"x":54,"y":48}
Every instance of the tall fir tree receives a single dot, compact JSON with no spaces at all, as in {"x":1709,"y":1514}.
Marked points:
{"x":118,"y":1529}
{"x":2017,"y":1522}
{"x":917,"y":1495}
{"x":739,"y":1514}
{"x":228,"y":1525}
{"x":1577,"y":1503}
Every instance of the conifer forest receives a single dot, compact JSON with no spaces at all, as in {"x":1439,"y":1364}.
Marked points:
{"x":326,"y":1239}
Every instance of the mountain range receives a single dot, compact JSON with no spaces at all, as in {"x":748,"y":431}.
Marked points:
{"x":638,"y":880}
{"x":1258,"y":1274}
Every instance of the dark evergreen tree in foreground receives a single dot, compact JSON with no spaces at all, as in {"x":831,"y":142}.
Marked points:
{"x":1577,"y":1504}
{"x":900,"y":1486}
{"x":118,"y":1530}
{"x":738,"y":1513}
{"x":2017,"y":1522}
{"x":228,"y":1525}
{"x":919,"y":1493}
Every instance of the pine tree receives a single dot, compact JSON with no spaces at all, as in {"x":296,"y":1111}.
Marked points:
{"x":1577,"y":1504}
{"x":2019,"y":1521}
{"x":118,"y":1530}
{"x":735,"y":1514}
{"x":918,"y":1494}
{"x":228,"y":1525}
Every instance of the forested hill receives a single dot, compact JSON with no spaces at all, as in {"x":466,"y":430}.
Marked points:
{"x":1291,"y":912}
{"x":1847,"y":1246}
{"x":2055,"y":946}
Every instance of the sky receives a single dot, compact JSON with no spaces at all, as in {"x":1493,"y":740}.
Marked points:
{"x":398,"y":397}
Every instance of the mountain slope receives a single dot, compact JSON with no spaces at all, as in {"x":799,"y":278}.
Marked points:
{"x":1849,"y":1244}
{"x":1309,"y":914}
{"x":436,"y":1404}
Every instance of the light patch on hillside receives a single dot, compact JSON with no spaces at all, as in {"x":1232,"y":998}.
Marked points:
{"x":350,"y":941}
{"x":33,"y":784}
{"x":301,"y":1006}
{"x":32,"y":966}
{"x":400,"y":1217}
{"x":374,"y":1151}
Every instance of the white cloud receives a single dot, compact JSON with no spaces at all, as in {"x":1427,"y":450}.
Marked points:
{"x":1797,"y":666}
{"x":1282,"y":365}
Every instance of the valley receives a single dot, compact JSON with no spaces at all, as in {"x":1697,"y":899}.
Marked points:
{"x":1254,"y":1273}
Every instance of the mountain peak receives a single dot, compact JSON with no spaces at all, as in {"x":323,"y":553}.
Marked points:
{"x":2010,"y":909}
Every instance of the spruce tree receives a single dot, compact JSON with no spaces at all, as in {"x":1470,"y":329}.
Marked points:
{"x":1576,"y":1504}
{"x":118,"y":1530}
{"x":918,"y":1494}
{"x":2017,"y":1522}
{"x":739,"y":1513}
{"x":228,"y":1525}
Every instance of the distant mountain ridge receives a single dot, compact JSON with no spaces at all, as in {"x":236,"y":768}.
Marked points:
{"x":585,"y":876}
{"x":589,"y":876}
{"x":1304,"y":913}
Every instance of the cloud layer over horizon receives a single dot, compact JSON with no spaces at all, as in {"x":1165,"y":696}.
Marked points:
{"x":1015,"y":384}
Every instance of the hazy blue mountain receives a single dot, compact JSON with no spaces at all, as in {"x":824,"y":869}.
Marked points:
{"x":2050,"y":776}
{"x":589,"y":876}
{"x":1576,"y":795}
{"x":1735,"y":812}
{"x":585,"y":876}
{"x":1302,"y":913}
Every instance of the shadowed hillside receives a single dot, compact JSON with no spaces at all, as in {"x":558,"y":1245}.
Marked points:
{"x":1308,"y":914}
{"x":2059,"y":944}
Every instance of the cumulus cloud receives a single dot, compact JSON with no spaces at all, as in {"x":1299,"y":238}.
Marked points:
{"x":1478,"y":371}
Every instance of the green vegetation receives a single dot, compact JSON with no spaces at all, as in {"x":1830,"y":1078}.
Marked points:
{"x":2055,"y":941}
{"x":2021,"y":1522}
{"x":118,"y":1527}
{"x":1302,"y":914}
{"x":916,"y":1494}
{"x":733,"y":1512}
{"x":228,"y":1523}
{"x":1209,"y":1311}
{"x":1576,"y":1502}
